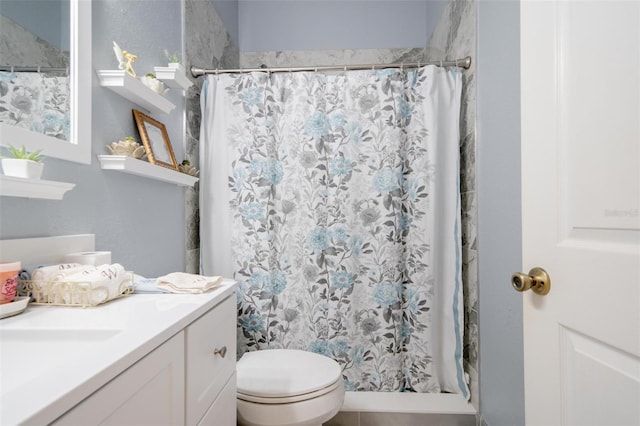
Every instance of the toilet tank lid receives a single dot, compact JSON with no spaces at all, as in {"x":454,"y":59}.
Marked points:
{"x":280,"y":373}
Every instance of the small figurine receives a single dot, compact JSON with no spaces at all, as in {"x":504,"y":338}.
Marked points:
{"x":125,"y":59}
{"x":186,"y":167}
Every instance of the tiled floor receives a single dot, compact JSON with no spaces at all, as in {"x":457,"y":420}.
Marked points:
{"x":400,"y":419}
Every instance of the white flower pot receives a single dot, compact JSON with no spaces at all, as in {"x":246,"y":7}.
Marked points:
{"x":177,"y":66}
{"x":154,"y":84}
{"x":18,"y":167}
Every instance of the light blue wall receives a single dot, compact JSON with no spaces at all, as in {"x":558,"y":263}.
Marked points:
{"x":140,"y":220}
{"x":228,"y":12}
{"x":268,"y":25}
{"x":499,"y":213}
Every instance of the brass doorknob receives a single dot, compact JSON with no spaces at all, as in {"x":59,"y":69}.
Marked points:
{"x":537,"y":280}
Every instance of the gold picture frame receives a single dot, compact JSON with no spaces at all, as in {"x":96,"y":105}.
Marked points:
{"x":155,"y":140}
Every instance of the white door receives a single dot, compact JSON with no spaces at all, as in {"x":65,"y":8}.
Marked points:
{"x":581,"y":210}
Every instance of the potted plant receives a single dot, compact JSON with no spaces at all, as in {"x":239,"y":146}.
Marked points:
{"x":153,"y":83}
{"x":23,"y":164}
{"x":174,"y":60}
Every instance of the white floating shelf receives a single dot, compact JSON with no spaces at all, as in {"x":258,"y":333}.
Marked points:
{"x":172,"y":77}
{"x":33,"y":188}
{"x":131,"y":88}
{"x":142,"y":168}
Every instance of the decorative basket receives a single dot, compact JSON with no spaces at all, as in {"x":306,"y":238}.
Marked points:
{"x":74,"y":293}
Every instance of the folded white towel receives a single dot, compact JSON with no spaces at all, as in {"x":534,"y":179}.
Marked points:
{"x":182,"y":282}
{"x":107,"y":282}
{"x":146,"y":285}
{"x":42,"y":277}
{"x":49,"y":273}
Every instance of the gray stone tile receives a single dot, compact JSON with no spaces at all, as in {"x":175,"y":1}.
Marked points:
{"x":344,"y":419}
{"x":474,"y":386}
{"x":302,"y":58}
{"x":469,"y":220}
{"x":470,"y":278}
{"x":193,"y":261}
{"x":414,"y":419}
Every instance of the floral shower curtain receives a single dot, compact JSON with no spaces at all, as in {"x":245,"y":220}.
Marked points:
{"x":35,"y":101}
{"x":333,"y":200}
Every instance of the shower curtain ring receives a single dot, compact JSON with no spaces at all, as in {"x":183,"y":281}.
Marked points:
{"x":440,"y":63}
{"x":12,"y":68}
{"x":38,"y":69}
{"x":457,"y":63}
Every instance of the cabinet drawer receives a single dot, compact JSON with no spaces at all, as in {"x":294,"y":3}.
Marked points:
{"x":223,"y":411}
{"x":207,"y":372}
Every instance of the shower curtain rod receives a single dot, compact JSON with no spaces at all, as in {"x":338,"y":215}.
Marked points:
{"x":10,"y":68}
{"x":463,"y":63}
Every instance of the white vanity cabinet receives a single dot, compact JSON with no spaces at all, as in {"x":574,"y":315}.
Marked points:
{"x":189,"y":379}
{"x":151,"y":359}
{"x":211,"y":359}
{"x":150,"y":392}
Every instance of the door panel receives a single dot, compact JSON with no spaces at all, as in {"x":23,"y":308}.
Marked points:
{"x":598,"y":96}
{"x":593,"y":372}
{"x":581,"y":210}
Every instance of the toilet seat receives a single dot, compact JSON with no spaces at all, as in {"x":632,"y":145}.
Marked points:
{"x":288,"y":399}
{"x":280,"y":376}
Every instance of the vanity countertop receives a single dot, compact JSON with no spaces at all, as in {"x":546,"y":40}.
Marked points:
{"x":52,"y":357}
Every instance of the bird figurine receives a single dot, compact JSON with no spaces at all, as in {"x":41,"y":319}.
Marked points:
{"x":125,"y":59}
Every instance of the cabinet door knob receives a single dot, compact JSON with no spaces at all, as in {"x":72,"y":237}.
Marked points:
{"x":221,"y":351}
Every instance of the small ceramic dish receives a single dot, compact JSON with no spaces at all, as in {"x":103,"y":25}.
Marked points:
{"x":128,"y":148}
{"x":154,"y":84}
{"x":14,"y":308}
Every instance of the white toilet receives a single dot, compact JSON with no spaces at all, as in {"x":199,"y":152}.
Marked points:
{"x":287,"y":387}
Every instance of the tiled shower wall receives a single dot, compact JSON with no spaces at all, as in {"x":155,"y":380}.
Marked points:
{"x":207,"y":44}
